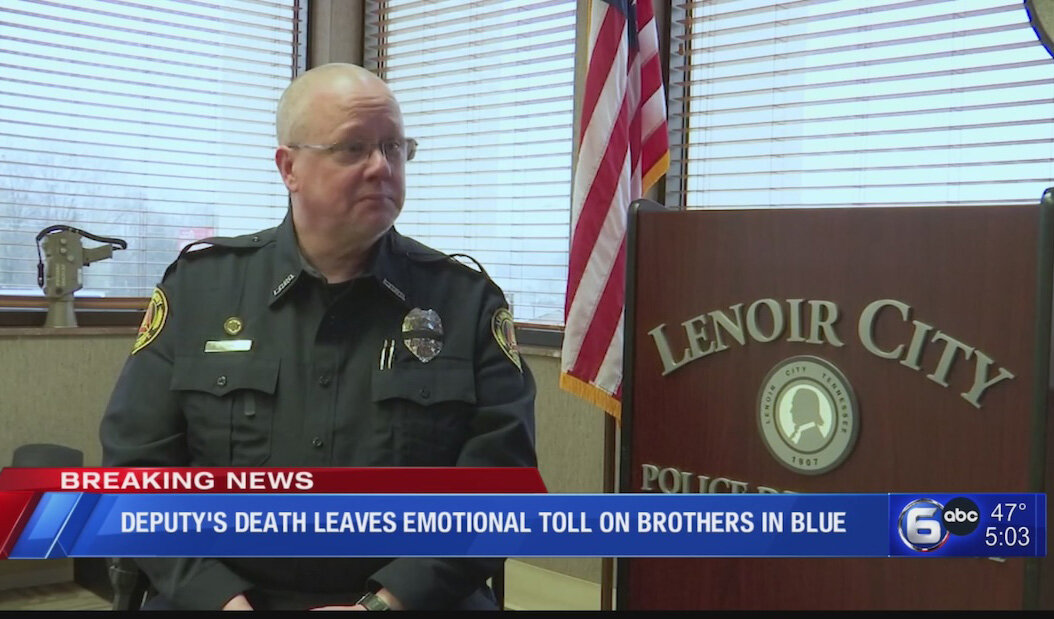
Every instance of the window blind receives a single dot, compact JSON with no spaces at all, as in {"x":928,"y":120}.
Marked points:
{"x":487,"y":90}
{"x":842,"y":103}
{"x":147,"y":120}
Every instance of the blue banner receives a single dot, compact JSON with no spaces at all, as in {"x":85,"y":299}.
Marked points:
{"x":534,"y":525}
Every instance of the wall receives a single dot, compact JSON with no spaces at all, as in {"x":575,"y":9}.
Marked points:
{"x":53,"y":387}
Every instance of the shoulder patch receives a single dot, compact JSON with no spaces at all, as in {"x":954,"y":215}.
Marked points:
{"x":505,"y":335}
{"x":153,"y":320}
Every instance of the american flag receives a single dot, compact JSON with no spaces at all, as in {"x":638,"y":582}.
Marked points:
{"x":623,"y":150}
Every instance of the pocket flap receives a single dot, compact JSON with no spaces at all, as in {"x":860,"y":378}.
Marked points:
{"x":441,"y":380}
{"x":222,"y":374}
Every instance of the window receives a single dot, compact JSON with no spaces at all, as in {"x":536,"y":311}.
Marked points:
{"x":487,"y":90}
{"x":147,"y":120}
{"x":843,"y":103}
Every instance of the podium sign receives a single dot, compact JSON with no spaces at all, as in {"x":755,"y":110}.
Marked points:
{"x":837,"y":350}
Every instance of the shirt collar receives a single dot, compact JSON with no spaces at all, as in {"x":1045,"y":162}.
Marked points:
{"x":383,"y":264}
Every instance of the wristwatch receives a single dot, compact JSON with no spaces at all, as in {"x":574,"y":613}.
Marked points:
{"x":371,"y":601}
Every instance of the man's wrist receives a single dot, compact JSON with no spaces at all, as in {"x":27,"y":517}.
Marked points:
{"x":372,"y":601}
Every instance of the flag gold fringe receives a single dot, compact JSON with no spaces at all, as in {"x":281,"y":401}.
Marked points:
{"x":592,"y":394}
{"x":652,"y":176}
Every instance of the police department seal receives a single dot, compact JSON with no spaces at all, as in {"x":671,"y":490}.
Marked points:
{"x":807,"y":415}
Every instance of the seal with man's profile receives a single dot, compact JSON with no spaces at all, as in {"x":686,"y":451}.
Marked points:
{"x":807,"y":414}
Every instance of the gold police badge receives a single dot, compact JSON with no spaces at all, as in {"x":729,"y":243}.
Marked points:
{"x":233,"y":325}
{"x":153,"y":320}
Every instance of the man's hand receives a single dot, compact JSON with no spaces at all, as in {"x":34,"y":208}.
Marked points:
{"x":238,"y":602}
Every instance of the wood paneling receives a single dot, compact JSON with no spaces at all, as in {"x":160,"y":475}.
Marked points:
{"x":969,"y":272}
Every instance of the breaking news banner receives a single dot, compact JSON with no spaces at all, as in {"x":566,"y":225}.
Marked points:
{"x":483,"y":512}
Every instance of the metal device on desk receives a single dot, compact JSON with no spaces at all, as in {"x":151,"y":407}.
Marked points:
{"x":59,"y":270}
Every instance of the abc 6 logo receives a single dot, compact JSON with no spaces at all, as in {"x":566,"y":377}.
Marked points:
{"x":925,"y":524}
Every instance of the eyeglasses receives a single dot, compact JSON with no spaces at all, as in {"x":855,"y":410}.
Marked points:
{"x":355,"y":152}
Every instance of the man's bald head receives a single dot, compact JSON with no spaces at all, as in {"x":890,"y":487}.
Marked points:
{"x":292,"y":124}
{"x":341,"y":202}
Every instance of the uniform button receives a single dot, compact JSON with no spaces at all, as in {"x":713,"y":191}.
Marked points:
{"x":317,"y":442}
{"x":221,"y":381}
{"x":256,"y":239}
{"x":324,"y":380}
{"x":425,"y":394}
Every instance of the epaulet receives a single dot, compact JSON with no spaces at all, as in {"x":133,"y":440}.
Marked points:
{"x":245,"y":241}
{"x":456,"y":258}
{"x":419,"y":252}
{"x":206,"y":246}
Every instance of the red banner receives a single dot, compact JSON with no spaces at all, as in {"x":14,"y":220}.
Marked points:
{"x":15,"y":510}
{"x":394,"y":480}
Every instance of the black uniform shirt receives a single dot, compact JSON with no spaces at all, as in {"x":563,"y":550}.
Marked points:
{"x":251,"y":359}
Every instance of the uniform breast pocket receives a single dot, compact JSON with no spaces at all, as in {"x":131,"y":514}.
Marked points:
{"x":228,"y":401}
{"x":430,"y":407}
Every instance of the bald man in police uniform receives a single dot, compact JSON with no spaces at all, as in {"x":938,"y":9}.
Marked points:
{"x":331,"y":340}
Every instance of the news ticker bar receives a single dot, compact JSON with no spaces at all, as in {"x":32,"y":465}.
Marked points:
{"x":79,"y":524}
{"x":22,"y":488}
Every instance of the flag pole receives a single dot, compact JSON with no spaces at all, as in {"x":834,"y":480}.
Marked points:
{"x":607,"y":564}
{"x":621,"y":152}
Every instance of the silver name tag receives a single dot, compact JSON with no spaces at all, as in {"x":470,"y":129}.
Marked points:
{"x":228,"y":345}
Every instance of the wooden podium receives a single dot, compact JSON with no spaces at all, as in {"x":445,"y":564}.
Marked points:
{"x":925,"y":312}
